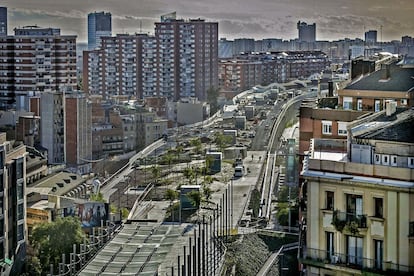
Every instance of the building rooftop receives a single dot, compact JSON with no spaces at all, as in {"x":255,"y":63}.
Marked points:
{"x":139,"y":248}
{"x":400,"y":79}
{"x":396,"y":127}
{"x":57,"y":184}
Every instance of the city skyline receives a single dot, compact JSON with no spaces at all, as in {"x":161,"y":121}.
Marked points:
{"x":263,"y":19}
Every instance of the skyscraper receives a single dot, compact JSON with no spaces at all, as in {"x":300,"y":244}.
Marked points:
{"x":99,"y":25}
{"x":371,"y":36}
{"x":3,"y":21}
{"x":307,"y":32}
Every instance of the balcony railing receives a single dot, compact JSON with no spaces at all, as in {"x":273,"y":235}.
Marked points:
{"x":350,"y":220}
{"x":322,"y":258}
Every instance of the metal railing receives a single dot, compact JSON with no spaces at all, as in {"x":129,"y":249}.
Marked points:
{"x":411,"y":229}
{"x":360,"y":220}
{"x":320,"y":258}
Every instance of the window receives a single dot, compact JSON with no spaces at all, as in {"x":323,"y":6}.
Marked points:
{"x":385,"y":159}
{"x":378,"y":253}
{"x":347,"y":103}
{"x":354,"y":204}
{"x":20,"y":189}
{"x":377,"y":159}
{"x":327,"y":127}
{"x":330,"y":200}
{"x":359,"y":104}
{"x":354,"y":250}
{"x":411,"y":162}
{"x":394,"y":160}
{"x":378,"y":207}
{"x":342,"y":128}
{"x":20,"y":232}
{"x":330,"y":249}
{"x":19,"y":168}
{"x":377,"y":105}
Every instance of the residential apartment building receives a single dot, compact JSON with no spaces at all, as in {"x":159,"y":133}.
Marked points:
{"x":13,"y":232}
{"x":35,"y":60}
{"x":65,"y":128}
{"x":239,"y":75}
{"x":52,"y":126}
{"x":249,"y":69}
{"x":180,"y":61}
{"x":320,"y":118}
{"x":78,"y":132}
{"x":99,"y":25}
{"x":358,"y":201}
{"x":390,"y":81}
{"x":125,"y":65}
{"x":187,"y":58}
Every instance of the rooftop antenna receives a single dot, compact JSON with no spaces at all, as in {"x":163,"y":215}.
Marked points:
{"x":381,"y":32}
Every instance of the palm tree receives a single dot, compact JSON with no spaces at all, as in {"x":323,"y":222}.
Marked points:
{"x":168,"y":158}
{"x":189,"y":174}
{"x":196,"y":143}
{"x":207,"y":191}
{"x":171,"y":195}
{"x":222,"y":141}
{"x":179,"y":149}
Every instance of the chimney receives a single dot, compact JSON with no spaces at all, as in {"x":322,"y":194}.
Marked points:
{"x":385,"y":72}
{"x":330,"y":88}
{"x":390,"y":107}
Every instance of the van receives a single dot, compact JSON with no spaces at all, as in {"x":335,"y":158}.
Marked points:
{"x":238,"y":171}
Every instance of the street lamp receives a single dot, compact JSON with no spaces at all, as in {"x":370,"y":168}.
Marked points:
{"x":126,"y":178}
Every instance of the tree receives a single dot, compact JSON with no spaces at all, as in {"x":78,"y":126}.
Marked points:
{"x":168,"y":158}
{"x":195,"y":198}
{"x":189,"y":174}
{"x":222,"y":141}
{"x":171,"y":195}
{"x":97,"y":197}
{"x":209,"y":162}
{"x":212,"y":95}
{"x":196,"y":143}
{"x":52,"y":239}
{"x":156,"y":173}
{"x":179,"y":149}
{"x":207,"y":193}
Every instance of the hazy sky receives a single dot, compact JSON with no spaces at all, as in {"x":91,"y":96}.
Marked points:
{"x":258,"y":19}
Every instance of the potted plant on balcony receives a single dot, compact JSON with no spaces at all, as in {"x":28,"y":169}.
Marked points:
{"x":352,"y":227}
{"x":337,"y":222}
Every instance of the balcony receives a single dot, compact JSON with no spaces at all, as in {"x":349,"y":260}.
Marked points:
{"x":351,"y":263}
{"x":350,"y":222}
{"x":411,"y":229}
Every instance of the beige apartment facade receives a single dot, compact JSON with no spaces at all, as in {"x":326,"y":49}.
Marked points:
{"x":359,"y":214}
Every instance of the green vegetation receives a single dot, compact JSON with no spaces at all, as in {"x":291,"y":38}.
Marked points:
{"x":254,"y":203}
{"x":97,"y":197}
{"x":250,"y":253}
{"x":212,"y":95}
{"x":52,"y":239}
{"x":222,"y":141}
